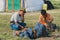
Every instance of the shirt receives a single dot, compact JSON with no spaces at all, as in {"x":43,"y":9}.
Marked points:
{"x":15,"y":17}
{"x":42,"y":20}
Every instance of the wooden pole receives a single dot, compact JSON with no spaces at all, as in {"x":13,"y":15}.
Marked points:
{"x":6,"y":5}
{"x":12,"y":5}
{"x":20,"y":4}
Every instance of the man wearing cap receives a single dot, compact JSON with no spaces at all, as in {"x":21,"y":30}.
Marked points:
{"x":17,"y":21}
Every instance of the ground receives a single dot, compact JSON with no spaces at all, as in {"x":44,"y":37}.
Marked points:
{"x":31,"y":19}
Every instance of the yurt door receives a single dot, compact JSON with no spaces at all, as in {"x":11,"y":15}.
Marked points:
{"x":10,"y":5}
{"x":16,"y":4}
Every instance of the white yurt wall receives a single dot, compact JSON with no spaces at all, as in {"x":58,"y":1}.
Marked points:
{"x":2,"y":5}
{"x":33,"y":5}
{"x":22,"y":3}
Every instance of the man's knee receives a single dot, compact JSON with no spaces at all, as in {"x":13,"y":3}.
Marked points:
{"x":14,"y":27}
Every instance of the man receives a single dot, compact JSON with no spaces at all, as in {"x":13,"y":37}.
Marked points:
{"x":17,"y":21}
{"x":33,"y":34}
{"x":46,"y":19}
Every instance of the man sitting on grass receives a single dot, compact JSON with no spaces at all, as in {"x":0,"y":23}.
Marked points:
{"x":46,"y":19}
{"x":17,"y":21}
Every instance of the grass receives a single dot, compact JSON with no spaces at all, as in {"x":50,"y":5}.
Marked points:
{"x":56,"y":3}
{"x":31,"y":20}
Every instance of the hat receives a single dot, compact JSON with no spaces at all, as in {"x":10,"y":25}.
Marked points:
{"x":23,"y":9}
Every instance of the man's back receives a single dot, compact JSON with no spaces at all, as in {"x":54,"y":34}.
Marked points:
{"x":43,"y":19}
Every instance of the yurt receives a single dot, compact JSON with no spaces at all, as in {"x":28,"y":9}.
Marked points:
{"x":2,"y":5}
{"x":29,"y":5}
{"x":33,"y":5}
{"x":15,"y":5}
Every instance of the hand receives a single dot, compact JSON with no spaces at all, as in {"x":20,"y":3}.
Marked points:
{"x":24,"y":29}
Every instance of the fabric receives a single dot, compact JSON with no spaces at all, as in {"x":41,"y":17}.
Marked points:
{"x":39,"y":28}
{"x":42,"y":19}
{"x":15,"y":17}
{"x":23,"y":34}
{"x":33,"y":5}
{"x":30,"y":33}
{"x":27,"y":33}
{"x":16,"y":27}
{"x":2,"y":5}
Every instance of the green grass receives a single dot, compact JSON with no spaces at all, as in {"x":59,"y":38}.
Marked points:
{"x":31,"y":20}
{"x":56,"y":3}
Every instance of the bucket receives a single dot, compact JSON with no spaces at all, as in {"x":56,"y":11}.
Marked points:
{"x":45,"y":6}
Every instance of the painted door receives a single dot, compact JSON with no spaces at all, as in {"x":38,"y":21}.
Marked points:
{"x":14,"y":4}
{"x":10,"y":5}
{"x":17,"y":5}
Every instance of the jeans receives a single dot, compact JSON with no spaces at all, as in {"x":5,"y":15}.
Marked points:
{"x":16,"y":27}
{"x":40,"y":29}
